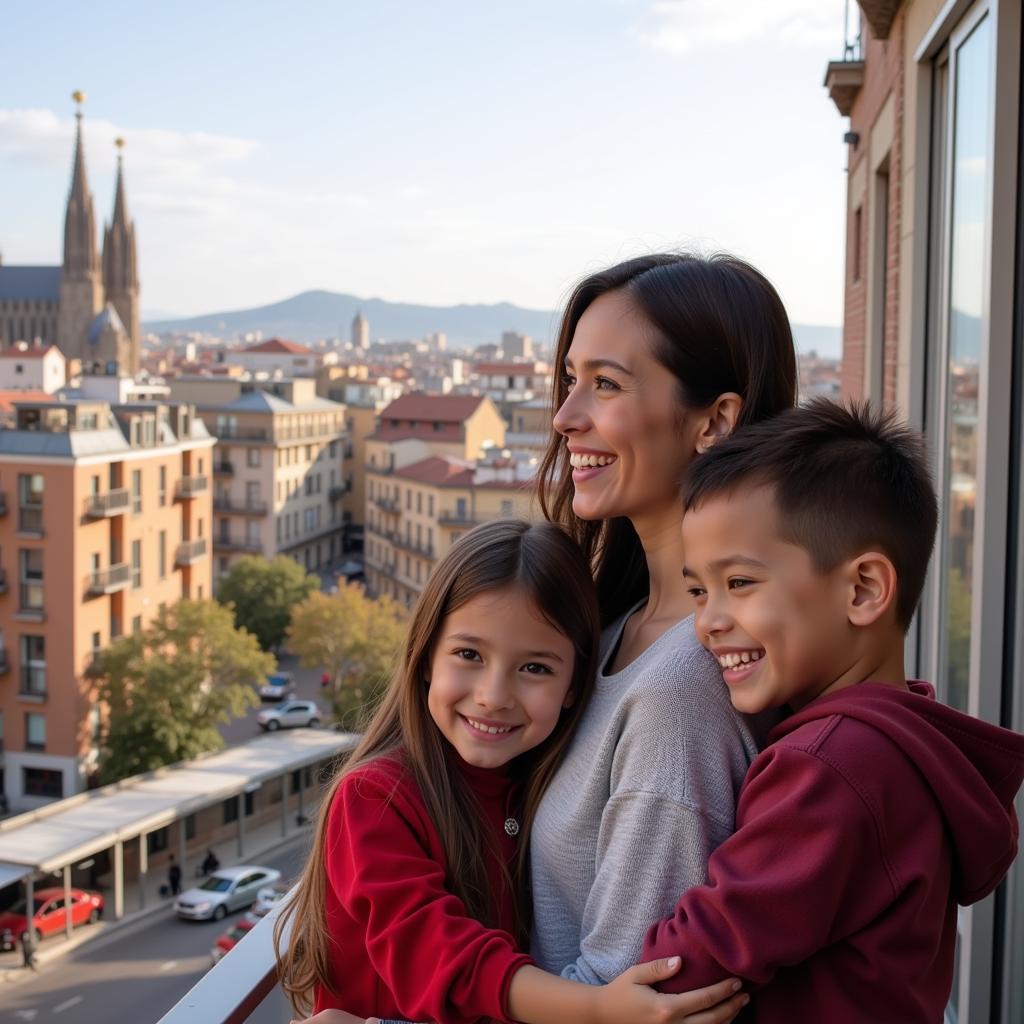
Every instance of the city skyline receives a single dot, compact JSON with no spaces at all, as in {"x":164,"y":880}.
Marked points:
{"x":458,"y":156}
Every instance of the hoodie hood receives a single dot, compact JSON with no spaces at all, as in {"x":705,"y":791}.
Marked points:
{"x":974,"y":769}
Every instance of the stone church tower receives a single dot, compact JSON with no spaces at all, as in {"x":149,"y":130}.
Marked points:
{"x":81,"y":289}
{"x":120,"y":273}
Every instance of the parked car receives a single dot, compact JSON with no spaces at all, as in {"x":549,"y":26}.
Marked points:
{"x":290,"y":714}
{"x":48,"y":916}
{"x":227,"y":889}
{"x":231,"y":938}
{"x":278,"y":686}
{"x":266,"y":898}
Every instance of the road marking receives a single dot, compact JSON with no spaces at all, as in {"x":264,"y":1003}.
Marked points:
{"x":26,"y":1014}
{"x":68,"y":1003}
{"x":169,"y":966}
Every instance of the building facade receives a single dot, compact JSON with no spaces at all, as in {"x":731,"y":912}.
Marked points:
{"x":32,"y":367}
{"x":279,"y":469}
{"x":105,"y":515}
{"x":933,"y":325}
{"x":88,"y":306}
{"x":276,"y":357}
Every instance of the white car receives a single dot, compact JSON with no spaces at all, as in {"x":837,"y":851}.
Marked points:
{"x":266,"y":898}
{"x":278,"y":686}
{"x":289,"y":714}
{"x":226,"y":890}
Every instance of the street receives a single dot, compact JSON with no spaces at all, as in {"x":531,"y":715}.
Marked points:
{"x":137,"y":978}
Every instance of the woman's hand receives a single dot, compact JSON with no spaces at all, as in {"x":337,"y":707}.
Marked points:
{"x":630,"y":998}
{"x":340,"y":1017}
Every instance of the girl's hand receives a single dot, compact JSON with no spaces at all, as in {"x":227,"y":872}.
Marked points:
{"x":629,"y":998}
{"x":336,"y":1017}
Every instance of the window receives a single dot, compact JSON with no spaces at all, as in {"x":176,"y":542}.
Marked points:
{"x":136,"y":564}
{"x":333,"y":449}
{"x":43,"y":782}
{"x":858,"y":228}
{"x":33,"y":665}
{"x":136,"y":491}
{"x":35,"y":731}
{"x":222,"y":565}
{"x":252,"y":532}
{"x":162,"y":495}
{"x":408,"y":500}
{"x":307,"y":519}
{"x":230,"y":810}
{"x":252,"y":494}
{"x":309,"y":485}
{"x":252,"y":457}
{"x":190,"y":827}
{"x":506,"y":508}
{"x":430,"y":505}
{"x":162,"y":554}
{"x":30,"y":503}
{"x":136,"y":623}
{"x":96,"y":644}
{"x":419,"y":501}
{"x":158,"y":841}
{"x":30,"y":571}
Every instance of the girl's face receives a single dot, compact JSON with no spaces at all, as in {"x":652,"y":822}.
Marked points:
{"x":499,"y":677}
{"x":629,"y":438}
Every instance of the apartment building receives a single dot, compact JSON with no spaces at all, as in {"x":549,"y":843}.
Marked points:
{"x":277,"y":356}
{"x":507,"y":383}
{"x":105,"y":514}
{"x":416,"y":512}
{"x":280,"y":483}
{"x":32,"y":368}
{"x":934,"y":325}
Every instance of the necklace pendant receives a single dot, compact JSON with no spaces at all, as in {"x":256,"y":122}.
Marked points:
{"x":511,"y":827}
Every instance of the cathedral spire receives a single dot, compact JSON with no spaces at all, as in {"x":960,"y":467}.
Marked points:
{"x":120,"y":271}
{"x":79,"y":222}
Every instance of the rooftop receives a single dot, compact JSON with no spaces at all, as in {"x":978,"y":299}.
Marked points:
{"x":29,"y":352}
{"x":30,"y":283}
{"x":433,"y":408}
{"x":280,"y":347}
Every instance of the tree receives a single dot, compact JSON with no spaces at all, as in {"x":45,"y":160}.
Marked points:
{"x":356,"y":639}
{"x":263,"y":594}
{"x":167,"y":687}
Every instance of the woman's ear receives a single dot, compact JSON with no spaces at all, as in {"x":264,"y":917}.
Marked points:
{"x":719,"y":420}
{"x":570,"y":699}
{"x":872,"y":592}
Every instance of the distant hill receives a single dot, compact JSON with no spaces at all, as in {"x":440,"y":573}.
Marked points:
{"x":311,"y":316}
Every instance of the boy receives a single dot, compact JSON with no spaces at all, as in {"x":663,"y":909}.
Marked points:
{"x":875,"y":809}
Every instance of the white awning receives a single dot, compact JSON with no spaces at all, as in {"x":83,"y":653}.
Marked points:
{"x":68,"y":830}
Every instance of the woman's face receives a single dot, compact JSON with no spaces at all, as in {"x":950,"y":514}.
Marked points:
{"x":628,"y":436}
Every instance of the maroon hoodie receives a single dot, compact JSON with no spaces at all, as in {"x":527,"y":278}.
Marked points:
{"x":871,"y":815}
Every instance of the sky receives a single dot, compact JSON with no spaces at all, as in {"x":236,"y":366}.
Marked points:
{"x":435,"y":153}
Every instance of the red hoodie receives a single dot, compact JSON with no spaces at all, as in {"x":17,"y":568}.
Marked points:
{"x":402,"y":944}
{"x":871,"y":815}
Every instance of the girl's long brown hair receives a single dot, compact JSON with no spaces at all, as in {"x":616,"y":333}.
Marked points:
{"x":719,"y":326}
{"x":552,"y":572}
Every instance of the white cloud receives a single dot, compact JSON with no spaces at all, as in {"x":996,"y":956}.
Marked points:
{"x":681,"y":26}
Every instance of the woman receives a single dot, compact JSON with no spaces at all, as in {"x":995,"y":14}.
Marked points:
{"x":657,"y":357}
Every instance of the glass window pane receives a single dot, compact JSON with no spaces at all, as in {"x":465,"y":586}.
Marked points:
{"x":970,"y":175}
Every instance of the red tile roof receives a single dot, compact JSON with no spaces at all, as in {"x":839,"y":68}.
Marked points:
{"x":278,"y":345}
{"x":8,"y":398}
{"x":433,"y":408}
{"x":25,"y":353}
{"x":439,"y":471}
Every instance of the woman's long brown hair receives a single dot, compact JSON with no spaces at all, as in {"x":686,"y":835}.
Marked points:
{"x":719,"y":326}
{"x":553,"y":574}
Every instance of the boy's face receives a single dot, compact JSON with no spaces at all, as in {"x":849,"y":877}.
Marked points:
{"x":778,"y":627}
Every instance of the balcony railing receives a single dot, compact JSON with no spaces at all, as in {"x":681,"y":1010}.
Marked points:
{"x":388,"y":504}
{"x":227,"y":433}
{"x":5,"y":663}
{"x":190,"y":486}
{"x":416,"y":547}
{"x":223,"y":503}
{"x":3,"y":581}
{"x":109,"y":503}
{"x":30,"y":520}
{"x":3,"y":503}
{"x":459,"y":517}
{"x":371,"y":467}
{"x":223,"y":468}
{"x":190,"y":551}
{"x":336,"y":493}
{"x":32,"y":683}
{"x":109,"y":581}
{"x":223,"y":543}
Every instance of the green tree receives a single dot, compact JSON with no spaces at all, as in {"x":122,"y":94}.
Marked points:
{"x":355,"y":638}
{"x":263,"y":594}
{"x":166,"y":688}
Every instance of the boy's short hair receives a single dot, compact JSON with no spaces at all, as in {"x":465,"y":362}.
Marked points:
{"x":846,"y":479}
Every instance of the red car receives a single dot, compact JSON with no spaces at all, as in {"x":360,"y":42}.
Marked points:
{"x":49,"y":916}
{"x":231,"y":938}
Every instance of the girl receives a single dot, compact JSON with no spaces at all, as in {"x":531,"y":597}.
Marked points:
{"x":413,"y":902}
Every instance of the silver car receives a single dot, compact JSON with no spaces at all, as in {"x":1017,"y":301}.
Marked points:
{"x":290,"y":714}
{"x":227,"y":889}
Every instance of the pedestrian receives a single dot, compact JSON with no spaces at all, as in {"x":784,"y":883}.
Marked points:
{"x":28,"y":950}
{"x":174,"y":876}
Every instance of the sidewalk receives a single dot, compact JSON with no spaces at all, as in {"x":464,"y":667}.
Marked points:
{"x":142,"y":908}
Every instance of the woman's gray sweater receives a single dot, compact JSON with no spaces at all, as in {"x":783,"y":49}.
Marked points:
{"x":646,"y":791}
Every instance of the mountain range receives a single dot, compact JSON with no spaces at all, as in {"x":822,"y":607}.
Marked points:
{"x":313,"y":315}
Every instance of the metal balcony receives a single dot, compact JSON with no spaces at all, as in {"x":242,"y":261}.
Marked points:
{"x":190,"y":486}
{"x":3,"y":581}
{"x":223,"y":468}
{"x":109,"y":581}
{"x":190,"y":551}
{"x":224,"y":503}
{"x":457,"y":518}
{"x":5,"y":663}
{"x":223,"y":543}
{"x":103,"y":505}
{"x":337,"y":492}
{"x":3,"y":503}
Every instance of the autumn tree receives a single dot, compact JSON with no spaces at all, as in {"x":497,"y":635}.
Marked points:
{"x":355,"y":638}
{"x":167,"y":687}
{"x":263,"y":593}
